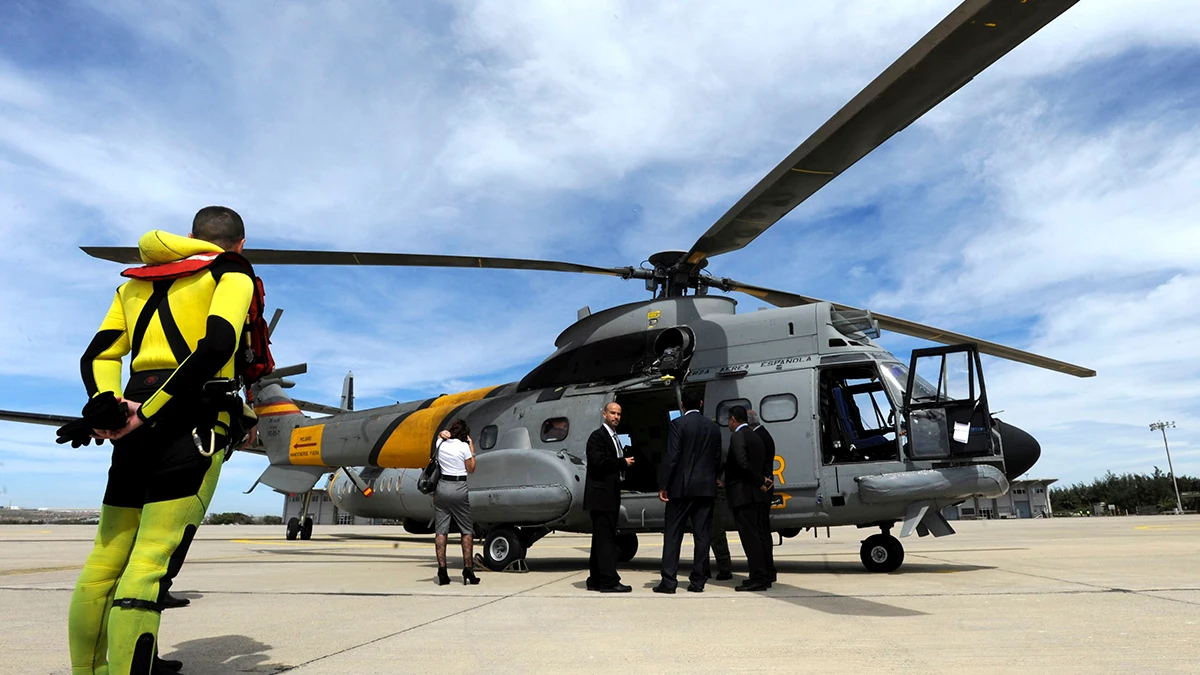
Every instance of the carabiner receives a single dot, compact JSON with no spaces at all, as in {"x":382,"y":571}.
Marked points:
{"x":212,"y":443}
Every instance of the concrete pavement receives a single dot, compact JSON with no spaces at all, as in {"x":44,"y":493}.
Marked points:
{"x":1070,"y":595}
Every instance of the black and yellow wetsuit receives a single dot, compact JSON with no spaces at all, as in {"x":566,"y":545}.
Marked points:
{"x":180,"y":334}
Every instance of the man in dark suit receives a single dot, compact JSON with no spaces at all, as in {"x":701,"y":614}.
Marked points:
{"x":769,"y":491}
{"x":606,"y":462}
{"x":688,"y":485}
{"x":744,"y":482}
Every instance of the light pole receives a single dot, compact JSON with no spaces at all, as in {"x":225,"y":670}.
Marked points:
{"x":1163,"y":426}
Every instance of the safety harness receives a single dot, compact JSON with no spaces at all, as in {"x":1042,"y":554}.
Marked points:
{"x":252,"y":361}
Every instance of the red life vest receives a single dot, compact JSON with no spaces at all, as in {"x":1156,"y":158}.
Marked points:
{"x":253,"y":360}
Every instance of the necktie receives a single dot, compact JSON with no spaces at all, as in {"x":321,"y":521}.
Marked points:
{"x":620,"y":454}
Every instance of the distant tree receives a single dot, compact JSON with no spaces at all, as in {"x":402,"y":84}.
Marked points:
{"x":233,"y":518}
{"x":270,"y":520}
{"x":1128,"y":492}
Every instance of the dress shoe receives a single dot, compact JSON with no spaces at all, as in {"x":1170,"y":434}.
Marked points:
{"x":616,"y":588}
{"x":173,"y":601}
{"x":693,"y":588}
{"x":724,"y":575}
{"x":752,"y":586}
{"x":663,"y":588}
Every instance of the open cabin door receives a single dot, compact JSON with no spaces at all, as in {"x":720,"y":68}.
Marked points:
{"x":945,"y":404}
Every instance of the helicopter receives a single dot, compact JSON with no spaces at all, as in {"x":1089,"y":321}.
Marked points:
{"x":862,"y":439}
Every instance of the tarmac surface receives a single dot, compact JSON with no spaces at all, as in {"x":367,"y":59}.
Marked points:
{"x":1067,"y":595}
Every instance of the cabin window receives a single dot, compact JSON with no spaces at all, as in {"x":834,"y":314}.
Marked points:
{"x":777,"y":408}
{"x":723,"y":409}
{"x":555,"y":429}
{"x":487,"y":437}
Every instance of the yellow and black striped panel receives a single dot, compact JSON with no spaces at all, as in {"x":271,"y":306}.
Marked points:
{"x":406,"y":444}
{"x":305,"y":446}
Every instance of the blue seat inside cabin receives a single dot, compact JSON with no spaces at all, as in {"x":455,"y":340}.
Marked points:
{"x":860,"y":438}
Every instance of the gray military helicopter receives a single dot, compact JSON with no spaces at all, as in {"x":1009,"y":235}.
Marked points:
{"x":862,"y":439}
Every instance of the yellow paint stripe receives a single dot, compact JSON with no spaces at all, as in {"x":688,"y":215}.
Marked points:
{"x":277,"y":409}
{"x":38,"y":570}
{"x":810,"y":171}
{"x":408,"y":446}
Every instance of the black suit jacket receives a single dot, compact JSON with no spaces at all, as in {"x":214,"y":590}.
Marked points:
{"x":768,"y":458}
{"x":743,"y":468}
{"x":693,"y":458}
{"x":602,"y":486}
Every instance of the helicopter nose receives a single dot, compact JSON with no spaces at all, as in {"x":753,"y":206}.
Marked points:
{"x":1021,"y":451}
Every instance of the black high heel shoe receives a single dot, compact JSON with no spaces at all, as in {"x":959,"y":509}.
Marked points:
{"x":469,"y":576}
{"x":442,"y":578}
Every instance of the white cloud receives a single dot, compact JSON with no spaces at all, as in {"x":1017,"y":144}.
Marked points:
{"x":600,"y":133}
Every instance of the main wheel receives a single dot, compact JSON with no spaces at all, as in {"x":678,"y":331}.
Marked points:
{"x":503,"y":546}
{"x":293,"y":529}
{"x":881,"y":553}
{"x":306,"y":528}
{"x":627,"y":544}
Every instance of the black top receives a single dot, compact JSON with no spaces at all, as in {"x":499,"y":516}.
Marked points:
{"x":744,"y":468}
{"x":602,"y":486}
{"x":768,"y":457}
{"x":693,"y":458}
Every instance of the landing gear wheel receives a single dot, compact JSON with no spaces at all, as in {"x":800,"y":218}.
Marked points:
{"x":293,"y":529}
{"x":503,"y":547}
{"x":881,"y":553}
{"x":627,"y":545}
{"x":306,"y":528}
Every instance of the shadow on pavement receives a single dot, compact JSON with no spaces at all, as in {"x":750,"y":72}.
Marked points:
{"x":224,"y":654}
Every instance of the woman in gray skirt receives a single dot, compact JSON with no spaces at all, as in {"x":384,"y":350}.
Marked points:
{"x":456,"y":457}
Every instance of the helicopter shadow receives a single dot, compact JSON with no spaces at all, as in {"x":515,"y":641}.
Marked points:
{"x":225,"y":654}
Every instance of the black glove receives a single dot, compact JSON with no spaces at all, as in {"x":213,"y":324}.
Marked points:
{"x":76,"y":433}
{"x":104,"y":412}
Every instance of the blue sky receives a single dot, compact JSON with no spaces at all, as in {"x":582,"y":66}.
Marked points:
{"x":1050,"y":204}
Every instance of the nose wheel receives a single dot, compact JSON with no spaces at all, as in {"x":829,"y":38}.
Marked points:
{"x":881,"y":553}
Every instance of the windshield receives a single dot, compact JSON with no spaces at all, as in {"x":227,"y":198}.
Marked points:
{"x":896,"y":377}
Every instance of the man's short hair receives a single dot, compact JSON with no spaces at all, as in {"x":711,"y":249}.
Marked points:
{"x":738,"y":413}
{"x":605,"y":408}
{"x":752,"y":418}
{"x":220,"y":225}
{"x":693,"y":399}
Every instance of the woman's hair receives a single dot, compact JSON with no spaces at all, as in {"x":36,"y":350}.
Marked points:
{"x":459,"y":429}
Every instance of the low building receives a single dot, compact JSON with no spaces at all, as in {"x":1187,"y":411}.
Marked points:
{"x":322,"y":510}
{"x":1024,"y":499}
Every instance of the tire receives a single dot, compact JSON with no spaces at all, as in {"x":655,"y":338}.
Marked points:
{"x":627,"y":545}
{"x":306,"y":528}
{"x":502,"y":548}
{"x":293,"y":529}
{"x":881,"y":553}
{"x":789,"y":532}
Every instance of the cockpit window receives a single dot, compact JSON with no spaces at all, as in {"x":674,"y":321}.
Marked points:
{"x":895,"y":375}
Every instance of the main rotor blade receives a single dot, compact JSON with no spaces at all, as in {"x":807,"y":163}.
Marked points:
{"x":266,"y":256}
{"x":906,"y":327}
{"x":35,"y":418}
{"x":966,"y":42}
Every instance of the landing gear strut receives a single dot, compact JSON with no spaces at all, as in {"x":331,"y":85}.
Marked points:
{"x":302,"y":526}
{"x":882,"y":552}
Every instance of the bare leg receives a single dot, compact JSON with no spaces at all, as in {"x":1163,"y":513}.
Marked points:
{"x":468,"y":542}
{"x":439,"y":546}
